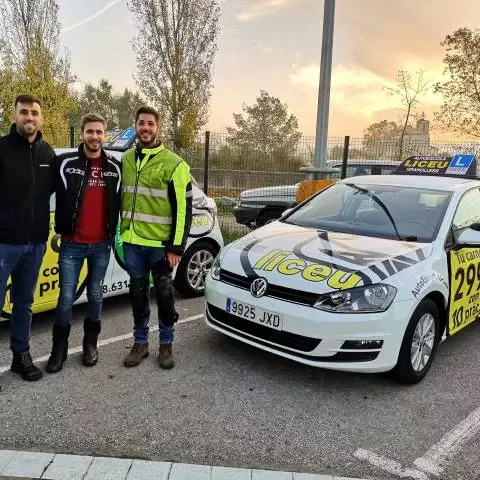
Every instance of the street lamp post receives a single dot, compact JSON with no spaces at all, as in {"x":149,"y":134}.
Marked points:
{"x":321,"y":139}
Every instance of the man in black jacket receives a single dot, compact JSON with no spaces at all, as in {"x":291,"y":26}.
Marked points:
{"x":26,"y":164}
{"x":87,"y":186}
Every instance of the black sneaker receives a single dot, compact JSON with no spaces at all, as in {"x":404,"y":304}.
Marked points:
{"x":23,"y":365}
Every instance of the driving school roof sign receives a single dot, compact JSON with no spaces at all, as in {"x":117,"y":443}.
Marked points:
{"x":460,"y":165}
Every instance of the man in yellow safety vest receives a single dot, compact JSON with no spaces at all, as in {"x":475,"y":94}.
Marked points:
{"x":156,"y":216}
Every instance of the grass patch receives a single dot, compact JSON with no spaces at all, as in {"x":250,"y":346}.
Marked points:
{"x":224,"y":208}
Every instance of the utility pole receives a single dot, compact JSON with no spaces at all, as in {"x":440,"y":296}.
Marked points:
{"x":321,"y":139}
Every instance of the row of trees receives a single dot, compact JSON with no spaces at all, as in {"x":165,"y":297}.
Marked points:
{"x":459,"y":113}
{"x":175,"y":50}
{"x":266,"y":129}
{"x":117,"y":109}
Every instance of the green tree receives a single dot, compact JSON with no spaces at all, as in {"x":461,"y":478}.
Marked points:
{"x":266,"y":135}
{"x":99,"y":99}
{"x":117,"y":109}
{"x":175,"y":48}
{"x":265,"y":127}
{"x":460,"y":111}
{"x":126,"y":106}
{"x":384,"y":130}
{"x":381,"y":138}
{"x":31,"y":62}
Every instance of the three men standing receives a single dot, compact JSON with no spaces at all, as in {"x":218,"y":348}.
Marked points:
{"x":156,"y":216}
{"x":152,"y":189}
{"x":87,"y":185}
{"x":26,"y":164}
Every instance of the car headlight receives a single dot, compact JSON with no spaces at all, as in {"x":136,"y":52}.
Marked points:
{"x":203,"y":202}
{"x":215,"y":270}
{"x":370,"y":298}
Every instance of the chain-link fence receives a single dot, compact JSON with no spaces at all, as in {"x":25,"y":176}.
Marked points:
{"x":254,"y":180}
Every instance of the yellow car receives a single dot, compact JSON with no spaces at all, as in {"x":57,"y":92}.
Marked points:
{"x":204,"y":242}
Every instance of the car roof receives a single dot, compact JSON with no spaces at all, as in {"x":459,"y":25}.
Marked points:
{"x":115,"y":153}
{"x":448,"y":184}
{"x":59,"y":151}
{"x":358,"y":162}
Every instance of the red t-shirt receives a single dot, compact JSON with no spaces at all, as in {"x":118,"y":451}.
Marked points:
{"x":92,"y":221}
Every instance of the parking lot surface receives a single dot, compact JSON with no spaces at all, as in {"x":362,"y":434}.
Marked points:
{"x":228,"y":404}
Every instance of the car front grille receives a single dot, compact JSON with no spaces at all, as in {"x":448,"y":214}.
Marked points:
{"x":275,"y":291}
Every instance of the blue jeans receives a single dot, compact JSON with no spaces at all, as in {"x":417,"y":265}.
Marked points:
{"x":140,"y":262}
{"x":71,"y":258}
{"x":22,"y":263}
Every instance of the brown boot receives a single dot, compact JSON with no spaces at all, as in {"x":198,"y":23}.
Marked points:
{"x":138,"y":352}
{"x":165,"y":356}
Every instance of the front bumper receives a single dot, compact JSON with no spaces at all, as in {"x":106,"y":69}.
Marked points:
{"x":246,"y":215}
{"x":310,"y":336}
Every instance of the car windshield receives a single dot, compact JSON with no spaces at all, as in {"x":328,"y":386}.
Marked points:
{"x":386,"y":211}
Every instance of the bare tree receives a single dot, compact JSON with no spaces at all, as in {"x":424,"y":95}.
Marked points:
{"x":28,"y":27}
{"x":31,"y":61}
{"x":175,"y":48}
{"x":410,"y":92}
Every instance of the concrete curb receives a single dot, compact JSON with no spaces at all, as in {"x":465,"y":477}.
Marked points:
{"x":36,"y":465}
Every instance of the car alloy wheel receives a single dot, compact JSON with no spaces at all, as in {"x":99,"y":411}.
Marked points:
{"x":423,"y":341}
{"x":194,"y":266}
{"x":198,"y":267}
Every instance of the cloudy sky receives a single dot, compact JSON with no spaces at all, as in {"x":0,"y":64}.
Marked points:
{"x":275,"y":45}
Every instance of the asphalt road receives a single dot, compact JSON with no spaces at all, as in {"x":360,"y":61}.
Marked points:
{"x":229,"y":404}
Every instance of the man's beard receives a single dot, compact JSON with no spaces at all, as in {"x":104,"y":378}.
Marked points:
{"x":151,"y":139}
{"x":27,"y":133}
{"x":93,"y":149}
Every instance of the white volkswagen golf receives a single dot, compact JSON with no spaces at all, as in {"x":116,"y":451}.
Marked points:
{"x":368,"y":275}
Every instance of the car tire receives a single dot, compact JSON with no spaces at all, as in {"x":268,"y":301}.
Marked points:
{"x":422,"y":335}
{"x":268,"y":216}
{"x":199,"y":257}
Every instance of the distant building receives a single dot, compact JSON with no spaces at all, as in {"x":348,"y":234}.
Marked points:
{"x":416,"y":141}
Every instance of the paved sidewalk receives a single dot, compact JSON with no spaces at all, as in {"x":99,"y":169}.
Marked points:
{"x":36,"y":465}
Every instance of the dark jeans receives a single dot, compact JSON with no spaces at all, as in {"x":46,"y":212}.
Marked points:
{"x":22,"y":263}
{"x":140,"y":262}
{"x":71,"y":259}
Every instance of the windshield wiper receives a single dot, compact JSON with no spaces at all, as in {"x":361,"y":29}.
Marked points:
{"x":384,"y":208}
{"x":409,"y":238}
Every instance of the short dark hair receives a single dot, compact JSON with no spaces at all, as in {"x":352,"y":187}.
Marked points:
{"x":92,"y":117}
{"x":27,"y":98}
{"x":148,"y":111}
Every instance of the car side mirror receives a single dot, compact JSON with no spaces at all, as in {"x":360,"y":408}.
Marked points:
{"x":470,"y":236}
{"x":286,"y":212}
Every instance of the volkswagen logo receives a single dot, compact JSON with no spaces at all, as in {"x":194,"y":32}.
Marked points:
{"x":258,"y":287}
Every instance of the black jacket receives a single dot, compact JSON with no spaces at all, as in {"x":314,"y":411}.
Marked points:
{"x":26,"y":176}
{"x":71,"y":177}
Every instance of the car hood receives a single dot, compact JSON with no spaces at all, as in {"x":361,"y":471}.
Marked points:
{"x":280,"y":190}
{"x":316,"y":261}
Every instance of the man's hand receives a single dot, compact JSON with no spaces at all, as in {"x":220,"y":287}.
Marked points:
{"x":173,"y":259}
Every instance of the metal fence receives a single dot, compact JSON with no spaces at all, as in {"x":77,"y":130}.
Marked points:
{"x":226,"y":169}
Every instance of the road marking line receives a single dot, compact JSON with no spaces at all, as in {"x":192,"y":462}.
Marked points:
{"x":108,"y":341}
{"x":437,"y":456}
{"x":390,"y":466}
